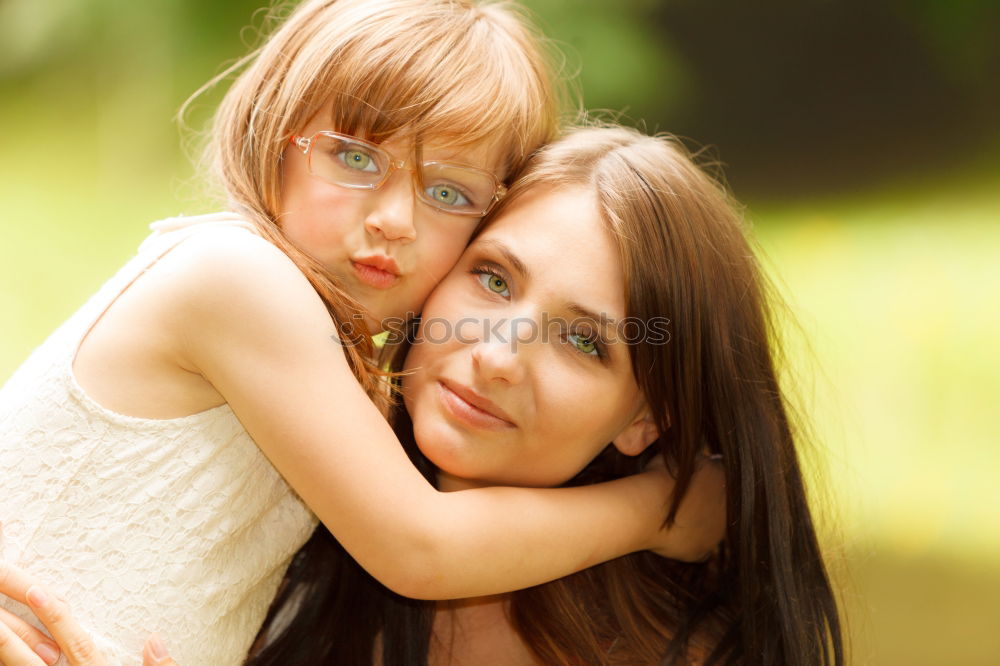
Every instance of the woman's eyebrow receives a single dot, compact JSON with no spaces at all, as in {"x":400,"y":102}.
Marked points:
{"x":509,"y":255}
{"x":586,"y":313}
{"x":603,"y":320}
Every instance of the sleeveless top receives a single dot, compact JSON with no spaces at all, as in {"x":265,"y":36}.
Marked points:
{"x":179,"y":526}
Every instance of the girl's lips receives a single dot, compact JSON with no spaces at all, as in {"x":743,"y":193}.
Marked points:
{"x":374,"y":276}
{"x":468,"y":413}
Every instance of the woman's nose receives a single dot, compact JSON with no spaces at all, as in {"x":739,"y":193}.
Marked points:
{"x":394,"y":205}
{"x":502,"y":356}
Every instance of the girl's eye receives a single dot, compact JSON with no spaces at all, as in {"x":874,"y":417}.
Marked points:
{"x":358,"y":159}
{"x":493,"y":282}
{"x":584,"y":344}
{"x":447,"y":195}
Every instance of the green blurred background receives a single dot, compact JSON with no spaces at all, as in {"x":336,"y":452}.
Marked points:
{"x":863,"y":136}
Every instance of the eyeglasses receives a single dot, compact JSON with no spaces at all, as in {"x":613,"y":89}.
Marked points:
{"x":351,"y":162}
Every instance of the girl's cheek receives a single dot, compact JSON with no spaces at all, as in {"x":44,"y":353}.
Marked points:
{"x":449,"y":241}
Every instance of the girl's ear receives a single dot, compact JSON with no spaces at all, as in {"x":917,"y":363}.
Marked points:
{"x":639,"y":434}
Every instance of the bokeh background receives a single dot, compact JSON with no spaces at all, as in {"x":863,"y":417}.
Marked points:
{"x":863,"y":136}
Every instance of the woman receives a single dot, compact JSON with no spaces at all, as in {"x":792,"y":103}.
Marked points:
{"x":607,"y":235}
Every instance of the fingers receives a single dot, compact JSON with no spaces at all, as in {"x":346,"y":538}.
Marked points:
{"x":700,"y":523}
{"x":18,"y":634}
{"x":703,"y":511}
{"x":14,"y":583}
{"x":30,"y":636}
{"x":155,"y":653}
{"x":74,"y":642}
{"x":14,"y":651}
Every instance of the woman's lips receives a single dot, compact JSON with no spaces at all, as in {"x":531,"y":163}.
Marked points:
{"x":373,"y":275}
{"x":458,"y":401}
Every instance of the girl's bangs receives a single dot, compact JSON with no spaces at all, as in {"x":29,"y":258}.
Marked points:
{"x":463,"y":92}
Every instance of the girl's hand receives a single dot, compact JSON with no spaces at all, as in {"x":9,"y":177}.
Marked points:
{"x":23,"y":645}
{"x":701,"y":518}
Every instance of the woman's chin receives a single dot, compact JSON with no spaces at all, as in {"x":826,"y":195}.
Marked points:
{"x":448,"y":482}
{"x":442,"y":445}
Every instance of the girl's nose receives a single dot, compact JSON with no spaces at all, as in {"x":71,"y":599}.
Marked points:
{"x":394,"y":204}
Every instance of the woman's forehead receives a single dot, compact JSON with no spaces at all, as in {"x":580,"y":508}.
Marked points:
{"x":557,"y":238}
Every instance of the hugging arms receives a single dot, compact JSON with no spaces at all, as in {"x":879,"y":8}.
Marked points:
{"x":614,"y":204}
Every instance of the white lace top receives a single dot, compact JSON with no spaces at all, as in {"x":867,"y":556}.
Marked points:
{"x":179,"y":526}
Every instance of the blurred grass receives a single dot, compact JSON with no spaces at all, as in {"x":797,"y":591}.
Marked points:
{"x":896,"y":295}
{"x":79,"y":185}
{"x":894,"y":351}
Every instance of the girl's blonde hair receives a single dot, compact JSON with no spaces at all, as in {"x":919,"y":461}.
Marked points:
{"x":457,"y":71}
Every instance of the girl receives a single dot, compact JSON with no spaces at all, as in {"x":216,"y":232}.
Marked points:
{"x":358,"y":150}
{"x":633,"y":232}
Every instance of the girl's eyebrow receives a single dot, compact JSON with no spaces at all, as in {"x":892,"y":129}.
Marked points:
{"x":509,"y":255}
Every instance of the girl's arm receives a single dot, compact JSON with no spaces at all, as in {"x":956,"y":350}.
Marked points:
{"x":246,"y":319}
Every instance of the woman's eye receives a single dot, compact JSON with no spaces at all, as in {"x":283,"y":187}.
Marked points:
{"x":494,"y":283}
{"x":447,"y":195}
{"x":584,"y":344}
{"x":358,"y":159}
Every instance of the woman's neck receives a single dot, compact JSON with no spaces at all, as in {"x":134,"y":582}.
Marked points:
{"x":476,"y":631}
{"x":469,"y":632}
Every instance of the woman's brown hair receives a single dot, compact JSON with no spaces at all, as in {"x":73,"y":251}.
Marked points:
{"x":766,"y":597}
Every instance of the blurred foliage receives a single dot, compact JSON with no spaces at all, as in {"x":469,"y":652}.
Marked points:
{"x":863,"y":134}
{"x":800,"y":95}
{"x":894,"y":360}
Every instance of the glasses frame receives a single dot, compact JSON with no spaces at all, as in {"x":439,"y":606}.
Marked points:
{"x":305,"y":144}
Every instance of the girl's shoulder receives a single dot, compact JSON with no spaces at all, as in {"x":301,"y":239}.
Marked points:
{"x":192,"y":283}
{"x":220,"y":280}
{"x":219,"y":250}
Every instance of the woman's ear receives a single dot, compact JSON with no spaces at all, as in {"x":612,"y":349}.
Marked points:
{"x":637,"y":435}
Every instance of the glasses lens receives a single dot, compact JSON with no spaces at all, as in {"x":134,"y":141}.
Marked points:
{"x":345,"y":161}
{"x":457,"y":189}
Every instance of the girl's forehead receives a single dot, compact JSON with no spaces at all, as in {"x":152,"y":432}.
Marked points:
{"x":494,"y":152}
{"x":485,"y":154}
